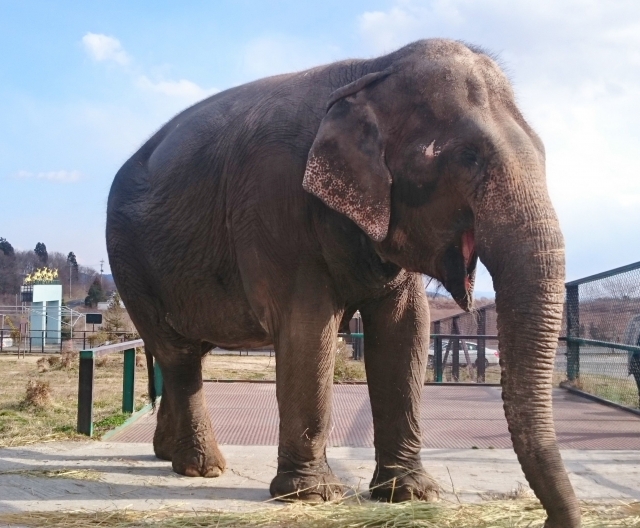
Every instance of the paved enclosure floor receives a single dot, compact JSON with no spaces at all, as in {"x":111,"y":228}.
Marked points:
{"x":599,"y":450}
{"x":129,"y":476}
{"x":453,"y":417}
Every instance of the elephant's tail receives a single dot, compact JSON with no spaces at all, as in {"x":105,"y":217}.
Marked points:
{"x":152,"y":377}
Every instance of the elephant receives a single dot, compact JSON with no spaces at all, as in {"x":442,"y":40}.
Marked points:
{"x":272,"y":211}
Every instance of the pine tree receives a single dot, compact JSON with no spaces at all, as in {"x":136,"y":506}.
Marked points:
{"x":8,"y":276}
{"x":41,"y":251}
{"x":6,"y":248}
{"x":73,"y":263}
{"x":95,"y":294}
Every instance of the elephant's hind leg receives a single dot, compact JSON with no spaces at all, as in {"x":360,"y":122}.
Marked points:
{"x":184,"y":433}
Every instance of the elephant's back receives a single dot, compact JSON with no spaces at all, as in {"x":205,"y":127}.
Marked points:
{"x":220,"y":175}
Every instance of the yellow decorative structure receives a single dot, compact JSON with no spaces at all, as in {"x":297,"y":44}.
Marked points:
{"x":42,"y":276}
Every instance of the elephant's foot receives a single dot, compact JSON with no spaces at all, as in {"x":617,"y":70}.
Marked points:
{"x":163,"y":443}
{"x":315,"y":484}
{"x":395,"y":483}
{"x":197,"y":455}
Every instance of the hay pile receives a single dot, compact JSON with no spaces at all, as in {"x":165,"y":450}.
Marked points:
{"x":57,"y":362}
{"x":498,"y":514}
{"x":38,"y":394}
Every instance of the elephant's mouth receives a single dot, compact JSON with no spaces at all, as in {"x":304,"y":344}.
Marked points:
{"x":460,"y":269}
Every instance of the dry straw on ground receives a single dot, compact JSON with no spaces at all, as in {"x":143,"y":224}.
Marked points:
{"x":38,"y":394}
{"x":75,"y":474}
{"x":499,"y":514}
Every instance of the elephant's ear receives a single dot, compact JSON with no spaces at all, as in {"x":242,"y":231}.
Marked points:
{"x":346,"y":167}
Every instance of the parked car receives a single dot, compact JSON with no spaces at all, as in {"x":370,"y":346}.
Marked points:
{"x":491,"y":356}
{"x":7,"y":342}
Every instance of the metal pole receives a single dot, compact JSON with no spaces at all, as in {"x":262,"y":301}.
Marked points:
{"x":129,"y":381}
{"x":482,"y":328}
{"x":573,"y":330}
{"x":437,"y":353}
{"x":85,"y":392}
{"x":455,"y":359}
{"x":158,"y":381}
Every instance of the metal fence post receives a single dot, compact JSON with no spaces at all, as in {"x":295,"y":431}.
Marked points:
{"x":437,"y":353}
{"x":455,"y":357}
{"x":85,"y":392}
{"x":482,"y":330}
{"x":573,"y":330}
{"x":129,"y":381}
{"x":158,"y":381}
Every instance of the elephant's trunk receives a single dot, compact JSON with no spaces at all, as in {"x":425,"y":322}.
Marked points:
{"x":519,"y":240}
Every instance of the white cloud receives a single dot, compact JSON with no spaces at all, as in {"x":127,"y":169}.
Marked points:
{"x":61,"y":176}
{"x":105,"y":48}
{"x":183,"y":88}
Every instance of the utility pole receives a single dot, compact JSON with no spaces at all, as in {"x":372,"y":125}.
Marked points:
{"x":101,"y":264}
{"x":70,"y":265}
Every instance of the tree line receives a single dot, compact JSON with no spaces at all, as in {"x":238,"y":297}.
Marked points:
{"x":15,"y":265}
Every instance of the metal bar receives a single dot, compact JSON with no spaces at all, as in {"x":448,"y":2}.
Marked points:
{"x":482,"y":328}
{"x":158,"y":380}
{"x":129,"y":380}
{"x":437,"y":354}
{"x":604,"y":275}
{"x":118,"y":347}
{"x":465,"y":336}
{"x":603,"y":344}
{"x":85,"y":393}
{"x":573,"y":330}
{"x":455,"y":357}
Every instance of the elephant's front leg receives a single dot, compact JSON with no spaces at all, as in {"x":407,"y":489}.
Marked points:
{"x":305,"y":349}
{"x":395,"y":347}
{"x":184,"y":433}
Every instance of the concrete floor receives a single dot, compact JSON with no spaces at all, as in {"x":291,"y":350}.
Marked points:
{"x":126,"y":474}
{"x":129,"y":476}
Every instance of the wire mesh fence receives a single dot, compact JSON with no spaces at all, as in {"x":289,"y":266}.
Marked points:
{"x":598,"y":351}
{"x":602,"y":322}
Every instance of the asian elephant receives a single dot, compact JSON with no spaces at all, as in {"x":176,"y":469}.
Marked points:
{"x":272,"y":211}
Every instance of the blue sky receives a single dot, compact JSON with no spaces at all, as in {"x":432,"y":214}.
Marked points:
{"x":83,"y":84}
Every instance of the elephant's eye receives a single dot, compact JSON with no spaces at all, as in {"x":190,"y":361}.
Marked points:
{"x":469,"y":157}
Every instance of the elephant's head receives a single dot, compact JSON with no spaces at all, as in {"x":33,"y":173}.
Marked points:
{"x":432,"y":159}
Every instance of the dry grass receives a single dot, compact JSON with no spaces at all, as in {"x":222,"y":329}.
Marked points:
{"x":234,"y":366}
{"x":75,"y":474}
{"x":23,"y":424}
{"x":38,"y":394}
{"x":346,"y":369}
{"x":498,"y":514}
{"x":619,"y":390}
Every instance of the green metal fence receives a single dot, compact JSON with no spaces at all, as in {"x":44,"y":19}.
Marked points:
{"x":602,"y":327}
{"x":86,"y":379}
{"x":599,"y":349}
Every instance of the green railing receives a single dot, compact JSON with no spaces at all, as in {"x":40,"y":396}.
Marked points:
{"x":86,"y":380}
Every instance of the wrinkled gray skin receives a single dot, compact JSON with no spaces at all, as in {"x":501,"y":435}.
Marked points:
{"x":270,"y":212}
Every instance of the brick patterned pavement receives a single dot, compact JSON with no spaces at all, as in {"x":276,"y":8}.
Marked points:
{"x":453,"y":417}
